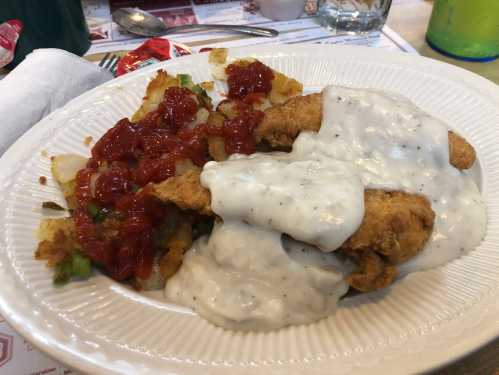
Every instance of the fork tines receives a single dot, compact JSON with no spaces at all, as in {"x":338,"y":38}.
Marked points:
{"x":109,"y":62}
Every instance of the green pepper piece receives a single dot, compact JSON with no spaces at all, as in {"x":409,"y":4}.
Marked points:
{"x":80,"y":265}
{"x":202,"y":95}
{"x":198,"y":90}
{"x":63,"y":272}
{"x":98,"y":214}
{"x":185,"y":80}
{"x":93,"y":210}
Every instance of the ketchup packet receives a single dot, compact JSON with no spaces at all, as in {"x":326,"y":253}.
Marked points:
{"x":150,"y":52}
{"x":9,"y":33}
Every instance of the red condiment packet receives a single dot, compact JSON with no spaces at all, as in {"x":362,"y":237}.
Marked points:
{"x":205,"y":49}
{"x":9,"y":33}
{"x":150,"y":52}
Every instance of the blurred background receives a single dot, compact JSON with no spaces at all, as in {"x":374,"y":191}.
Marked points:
{"x":466,"y":29}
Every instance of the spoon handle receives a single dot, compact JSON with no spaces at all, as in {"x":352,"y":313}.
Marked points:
{"x":242,"y":29}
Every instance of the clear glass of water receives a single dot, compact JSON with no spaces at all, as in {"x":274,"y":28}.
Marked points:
{"x":353,"y":15}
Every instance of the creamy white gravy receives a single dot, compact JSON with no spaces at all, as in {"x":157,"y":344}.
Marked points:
{"x":318,"y":200}
{"x":245,"y":278}
{"x":368,"y":139}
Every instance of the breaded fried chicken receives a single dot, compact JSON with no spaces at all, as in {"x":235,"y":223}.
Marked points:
{"x":373,"y":273}
{"x":395,"y":227}
{"x":462,"y":155}
{"x":282,"y":124}
{"x":185,"y":191}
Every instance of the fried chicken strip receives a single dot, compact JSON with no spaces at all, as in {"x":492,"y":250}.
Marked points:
{"x":185,"y":191}
{"x":282,"y":124}
{"x":373,"y":273}
{"x":395,"y":227}
{"x":462,"y":155}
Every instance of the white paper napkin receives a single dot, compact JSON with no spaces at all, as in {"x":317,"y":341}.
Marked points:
{"x":44,"y":81}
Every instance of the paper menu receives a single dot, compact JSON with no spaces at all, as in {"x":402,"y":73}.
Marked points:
{"x":19,"y":357}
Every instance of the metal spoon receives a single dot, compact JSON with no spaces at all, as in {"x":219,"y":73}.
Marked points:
{"x":144,"y":23}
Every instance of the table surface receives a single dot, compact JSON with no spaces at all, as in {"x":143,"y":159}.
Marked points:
{"x":410,"y":19}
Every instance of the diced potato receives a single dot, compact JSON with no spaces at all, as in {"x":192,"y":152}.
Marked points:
{"x":228,"y":108}
{"x":216,"y":119}
{"x":177,"y":246}
{"x":154,"y":94}
{"x":57,"y":239}
{"x":244,"y":62}
{"x":201,"y":116}
{"x":218,"y":60}
{"x":68,"y":190}
{"x":155,"y":281}
{"x":207,"y":85}
{"x":216,"y":144}
{"x":218,"y":56}
{"x":262,"y":104}
{"x":49,"y":227}
{"x":218,"y":72}
{"x":216,"y":148}
{"x":184,"y":165}
{"x":65,"y":167}
{"x":284,"y":88}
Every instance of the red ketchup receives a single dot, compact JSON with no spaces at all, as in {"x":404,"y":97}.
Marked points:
{"x":245,"y":80}
{"x":248,"y":84}
{"x":238,"y":132}
{"x":126,"y":158}
{"x":116,"y":220}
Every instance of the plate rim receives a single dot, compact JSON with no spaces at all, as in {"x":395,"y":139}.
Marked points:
{"x":8,"y":166}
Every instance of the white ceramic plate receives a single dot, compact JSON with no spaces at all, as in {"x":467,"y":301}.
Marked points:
{"x":99,"y":326}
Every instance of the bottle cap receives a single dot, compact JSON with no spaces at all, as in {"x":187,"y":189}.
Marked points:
{"x":16,"y":24}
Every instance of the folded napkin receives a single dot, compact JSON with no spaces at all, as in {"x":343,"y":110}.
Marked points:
{"x":43,"y":82}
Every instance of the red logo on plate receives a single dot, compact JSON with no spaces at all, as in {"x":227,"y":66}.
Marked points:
{"x":6,"y":342}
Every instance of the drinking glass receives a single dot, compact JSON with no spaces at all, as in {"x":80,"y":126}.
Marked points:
{"x":353,"y":15}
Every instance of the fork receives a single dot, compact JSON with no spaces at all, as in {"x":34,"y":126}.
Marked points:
{"x":109,"y":62}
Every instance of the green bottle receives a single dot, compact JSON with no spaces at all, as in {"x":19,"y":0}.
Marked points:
{"x":465,"y":29}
